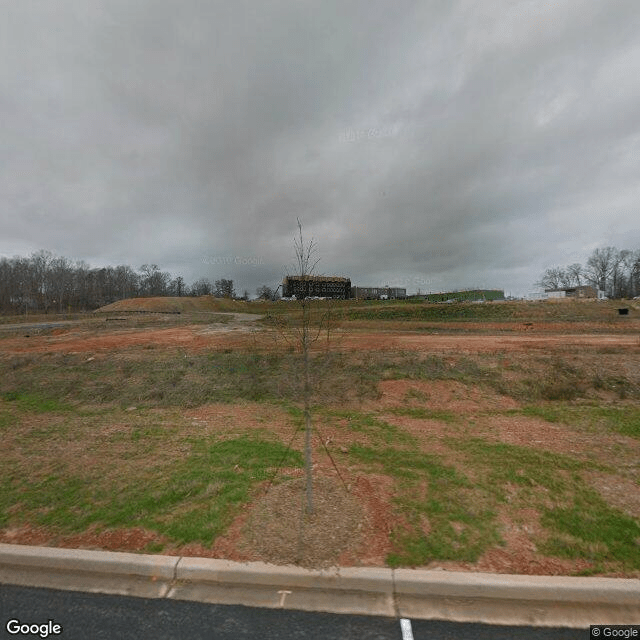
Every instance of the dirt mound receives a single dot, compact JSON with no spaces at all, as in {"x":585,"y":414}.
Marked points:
{"x":278,"y":532}
{"x":173,"y":305}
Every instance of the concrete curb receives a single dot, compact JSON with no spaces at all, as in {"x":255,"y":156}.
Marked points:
{"x":514,"y":599}
{"x":408,"y":593}
{"x":146,"y":576}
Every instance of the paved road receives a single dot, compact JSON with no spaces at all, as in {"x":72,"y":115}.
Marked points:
{"x":34,"y":326}
{"x":238,"y":318}
{"x":85,"y":616}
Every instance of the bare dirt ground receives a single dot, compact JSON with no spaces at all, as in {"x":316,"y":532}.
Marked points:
{"x":243,"y":334}
{"x":191,"y":337}
{"x":354,"y":511}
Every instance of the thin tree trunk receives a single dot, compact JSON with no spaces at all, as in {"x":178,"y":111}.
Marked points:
{"x":308,"y":462}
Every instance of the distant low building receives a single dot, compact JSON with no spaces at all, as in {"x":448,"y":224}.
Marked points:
{"x":555,"y":293}
{"x":583,"y":291}
{"x":378,"y":293}
{"x":316,"y":287}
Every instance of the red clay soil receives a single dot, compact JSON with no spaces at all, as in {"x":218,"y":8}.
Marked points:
{"x":485,"y":343}
{"x":136,"y":539}
{"x":191,"y":338}
{"x":198,"y":338}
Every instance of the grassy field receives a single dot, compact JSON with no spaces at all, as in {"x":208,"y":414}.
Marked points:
{"x":473,"y":446}
{"x":467,"y":295}
{"x":573,"y":315}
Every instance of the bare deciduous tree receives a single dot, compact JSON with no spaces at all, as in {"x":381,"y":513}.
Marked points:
{"x":267,"y":293}
{"x":634,"y":274}
{"x":575,"y":273}
{"x":620,"y":273}
{"x":177,"y":287}
{"x":224,"y":289}
{"x":552,"y":278}
{"x":201,"y":287}
{"x":599,"y":267}
{"x":306,"y":263}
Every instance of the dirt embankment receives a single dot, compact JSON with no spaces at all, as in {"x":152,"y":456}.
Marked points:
{"x":174,"y":305}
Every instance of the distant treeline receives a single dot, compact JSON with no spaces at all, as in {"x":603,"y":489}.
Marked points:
{"x":45,"y":282}
{"x":614,"y":271}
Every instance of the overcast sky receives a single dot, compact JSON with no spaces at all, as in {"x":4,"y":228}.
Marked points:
{"x":428,"y":144}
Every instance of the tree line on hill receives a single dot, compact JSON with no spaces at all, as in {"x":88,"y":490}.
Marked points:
{"x":45,"y":282}
{"x":614,"y":271}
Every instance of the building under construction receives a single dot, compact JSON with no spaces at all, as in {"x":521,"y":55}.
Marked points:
{"x":316,"y":287}
{"x":378,"y":293}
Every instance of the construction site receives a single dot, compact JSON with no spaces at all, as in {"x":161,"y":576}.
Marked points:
{"x":172,"y":425}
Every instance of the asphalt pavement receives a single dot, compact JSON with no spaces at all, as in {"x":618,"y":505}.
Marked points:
{"x":89,"y":616}
{"x":37,"y":326}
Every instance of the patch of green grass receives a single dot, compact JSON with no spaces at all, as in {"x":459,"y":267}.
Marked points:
{"x":7,"y":497}
{"x":6,"y":419}
{"x":147,"y":437}
{"x":461,"y":526}
{"x":377,"y":431}
{"x":34,"y":402}
{"x":469,"y":295}
{"x":592,"y":530}
{"x":433,"y":312}
{"x":56,"y":500}
{"x":521,"y":466}
{"x":624,"y":420}
{"x":400,"y":463}
{"x":594,"y":570}
{"x":550,"y":413}
{"x":451,"y":536}
{"x":409,"y":365}
{"x":427,"y":414}
{"x":619,"y":419}
{"x":193,"y":500}
{"x":580,"y":524}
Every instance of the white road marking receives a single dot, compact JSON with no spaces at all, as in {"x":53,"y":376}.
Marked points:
{"x":283,"y":595}
{"x":405,"y":627}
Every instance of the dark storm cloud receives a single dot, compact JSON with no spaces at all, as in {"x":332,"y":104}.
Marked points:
{"x":435,"y":144}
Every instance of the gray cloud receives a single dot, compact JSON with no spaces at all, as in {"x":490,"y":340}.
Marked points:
{"x":437,"y":144}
